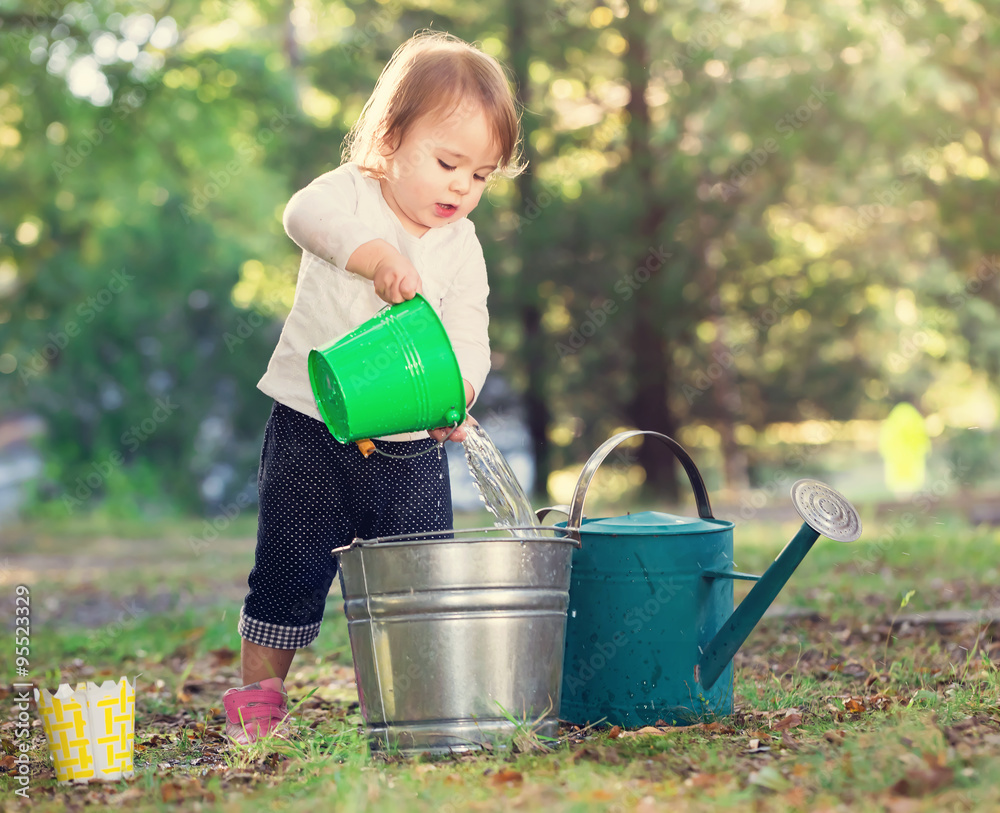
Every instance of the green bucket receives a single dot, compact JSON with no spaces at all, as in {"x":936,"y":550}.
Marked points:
{"x":395,"y":373}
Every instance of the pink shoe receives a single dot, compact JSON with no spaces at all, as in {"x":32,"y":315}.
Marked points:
{"x":255,"y":711}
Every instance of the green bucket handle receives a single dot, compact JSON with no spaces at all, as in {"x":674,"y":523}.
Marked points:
{"x":590,"y":469}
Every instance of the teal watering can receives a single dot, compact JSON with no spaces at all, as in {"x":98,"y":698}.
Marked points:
{"x":651,"y":630}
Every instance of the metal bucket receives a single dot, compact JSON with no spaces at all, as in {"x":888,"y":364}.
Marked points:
{"x":457,"y":637}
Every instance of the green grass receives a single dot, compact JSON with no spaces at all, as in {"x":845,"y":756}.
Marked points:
{"x":880,"y":714}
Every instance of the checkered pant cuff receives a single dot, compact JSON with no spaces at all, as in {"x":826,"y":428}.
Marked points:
{"x":275,"y":635}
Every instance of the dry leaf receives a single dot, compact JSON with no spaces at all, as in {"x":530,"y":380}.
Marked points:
{"x":787,"y":741}
{"x":223,"y":656}
{"x":854,"y":705}
{"x":644,"y":731}
{"x":704,"y":780}
{"x":790,"y":721}
{"x":835,"y":737}
{"x":919,"y":782}
{"x":506,"y":777}
{"x":615,"y":732}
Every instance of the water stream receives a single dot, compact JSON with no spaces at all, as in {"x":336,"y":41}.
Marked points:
{"x":495,"y":481}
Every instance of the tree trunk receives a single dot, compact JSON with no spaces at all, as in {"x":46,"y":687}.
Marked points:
{"x":533,"y":350}
{"x":652,"y":364}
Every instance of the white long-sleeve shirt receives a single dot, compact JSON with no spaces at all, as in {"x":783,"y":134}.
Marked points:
{"x":329,"y":220}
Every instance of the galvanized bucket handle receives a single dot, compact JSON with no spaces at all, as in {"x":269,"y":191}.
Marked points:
{"x":590,"y":469}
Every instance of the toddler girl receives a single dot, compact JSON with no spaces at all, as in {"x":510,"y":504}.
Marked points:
{"x":389,"y":223}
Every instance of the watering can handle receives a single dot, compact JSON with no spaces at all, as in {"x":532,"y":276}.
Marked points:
{"x":602,"y":451}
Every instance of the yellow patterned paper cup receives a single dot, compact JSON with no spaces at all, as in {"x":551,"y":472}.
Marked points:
{"x":90,"y":730}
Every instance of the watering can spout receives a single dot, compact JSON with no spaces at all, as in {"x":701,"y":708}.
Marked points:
{"x":825,"y":512}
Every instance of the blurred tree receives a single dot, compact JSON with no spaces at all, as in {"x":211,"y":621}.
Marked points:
{"x":735,"y":213}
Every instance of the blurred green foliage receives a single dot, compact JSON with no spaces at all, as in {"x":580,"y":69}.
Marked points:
{"x":736,"y":213}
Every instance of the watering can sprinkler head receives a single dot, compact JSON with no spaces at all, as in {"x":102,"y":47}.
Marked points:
{"x":825,"y":512}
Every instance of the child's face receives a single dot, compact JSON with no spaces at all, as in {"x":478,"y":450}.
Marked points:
{"x":439,"y":171}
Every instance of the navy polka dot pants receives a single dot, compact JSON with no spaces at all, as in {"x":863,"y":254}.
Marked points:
{"x":317,"y":494}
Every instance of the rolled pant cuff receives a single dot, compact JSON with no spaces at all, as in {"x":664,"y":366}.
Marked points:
{"x":276,"y":636}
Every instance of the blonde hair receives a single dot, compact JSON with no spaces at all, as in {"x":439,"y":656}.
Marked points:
{"x":434,"y":72}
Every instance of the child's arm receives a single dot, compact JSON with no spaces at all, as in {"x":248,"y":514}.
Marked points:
{"x":466,"y":318}
{"x":322,"y":219}
{"x":394,"y":276}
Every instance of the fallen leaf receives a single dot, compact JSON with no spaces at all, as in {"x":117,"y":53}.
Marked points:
{"x":919,"y":782}
{"x":223,"y":656}
{"x":615,"y":732}
{"x":787,"y":741}
{"x":835,"y":737}
{"x":855,"y":705}
{"x":506,"y":777}
{"x":644,"y":731}
{"x":705,"y":780}
{"x":791,"y":721}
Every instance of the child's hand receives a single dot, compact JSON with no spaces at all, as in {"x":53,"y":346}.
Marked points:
{"x":396,"y":280}
{"x":458,"y":435}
